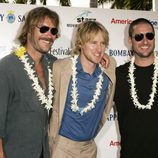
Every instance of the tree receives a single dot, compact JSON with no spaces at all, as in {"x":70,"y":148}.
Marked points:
{"x":116,"y":4}
{"x":93,"y":3}
{"x":65,"y":3}
{"x":101,"y":2}
{"x":132,"y":4}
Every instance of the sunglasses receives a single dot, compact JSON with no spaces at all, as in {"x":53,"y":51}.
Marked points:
{"x":149,"y":36}
{"x":44,"y":29}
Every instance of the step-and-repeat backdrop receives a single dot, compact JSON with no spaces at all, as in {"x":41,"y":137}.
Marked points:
{"x":12,"y":17}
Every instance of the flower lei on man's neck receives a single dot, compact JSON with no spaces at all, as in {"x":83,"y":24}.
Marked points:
{"x":47,"y":101}
{"x":74,"y":92}
{"x":133,"y":90}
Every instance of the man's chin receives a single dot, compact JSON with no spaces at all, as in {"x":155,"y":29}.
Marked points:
{"x":44,"y":51}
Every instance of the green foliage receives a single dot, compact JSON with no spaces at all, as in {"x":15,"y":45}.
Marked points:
{"x":3,"y":1}
{"x":116,"y":4}
{"x":133,"y":4}
{"x":65,"y":3}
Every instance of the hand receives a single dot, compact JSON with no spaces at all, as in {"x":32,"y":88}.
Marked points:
{"x":105,"y":61}
{"x":1,"y":149}
{"x":2,"y":155}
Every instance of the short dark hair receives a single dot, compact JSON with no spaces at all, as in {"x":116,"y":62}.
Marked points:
{"x":136,"y":22}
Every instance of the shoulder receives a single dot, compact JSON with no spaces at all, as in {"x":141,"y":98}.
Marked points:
{"x":7,"y":61}
{"x":122,"y":68}
{"x":112,"y":62}
{"x":122,"y":72}
{"x":61,"y":64}
{"x":112,"y":66}
{"x":9,"y":65}
{"x":51,"y":57}
{"x":60,"y":67}
{"x":63,"y":61}
{"x":7,"y":58}
{"x":110,"y":70}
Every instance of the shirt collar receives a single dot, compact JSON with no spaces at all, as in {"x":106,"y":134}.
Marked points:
{"x":96,"y":72}
{"x":44,"y":58}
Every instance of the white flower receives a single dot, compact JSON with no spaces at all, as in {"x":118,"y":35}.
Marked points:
{"x":133,"y":90}
{"x":46,"y":101}
{"x":74,"y":92}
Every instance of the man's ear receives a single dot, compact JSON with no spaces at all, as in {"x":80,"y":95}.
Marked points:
{"x":129,"y":40}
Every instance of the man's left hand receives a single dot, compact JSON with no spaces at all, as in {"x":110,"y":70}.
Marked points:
{"x":105,"y":60}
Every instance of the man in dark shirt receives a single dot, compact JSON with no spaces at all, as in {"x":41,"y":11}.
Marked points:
{"x":136,"y":96}
{"x":27,"y":89}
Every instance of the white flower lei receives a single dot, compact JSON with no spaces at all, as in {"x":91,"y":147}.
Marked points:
{"x":74,"y":92}
{"x":133,"y":90}
{"x":47,"y":101}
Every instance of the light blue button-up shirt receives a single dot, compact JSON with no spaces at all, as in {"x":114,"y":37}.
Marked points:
{"x":84,"y":127}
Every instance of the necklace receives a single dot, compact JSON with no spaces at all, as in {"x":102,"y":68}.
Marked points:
{"x":74,"y":93}
{"x":47,"y":101}
{"x":133,"y":90}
